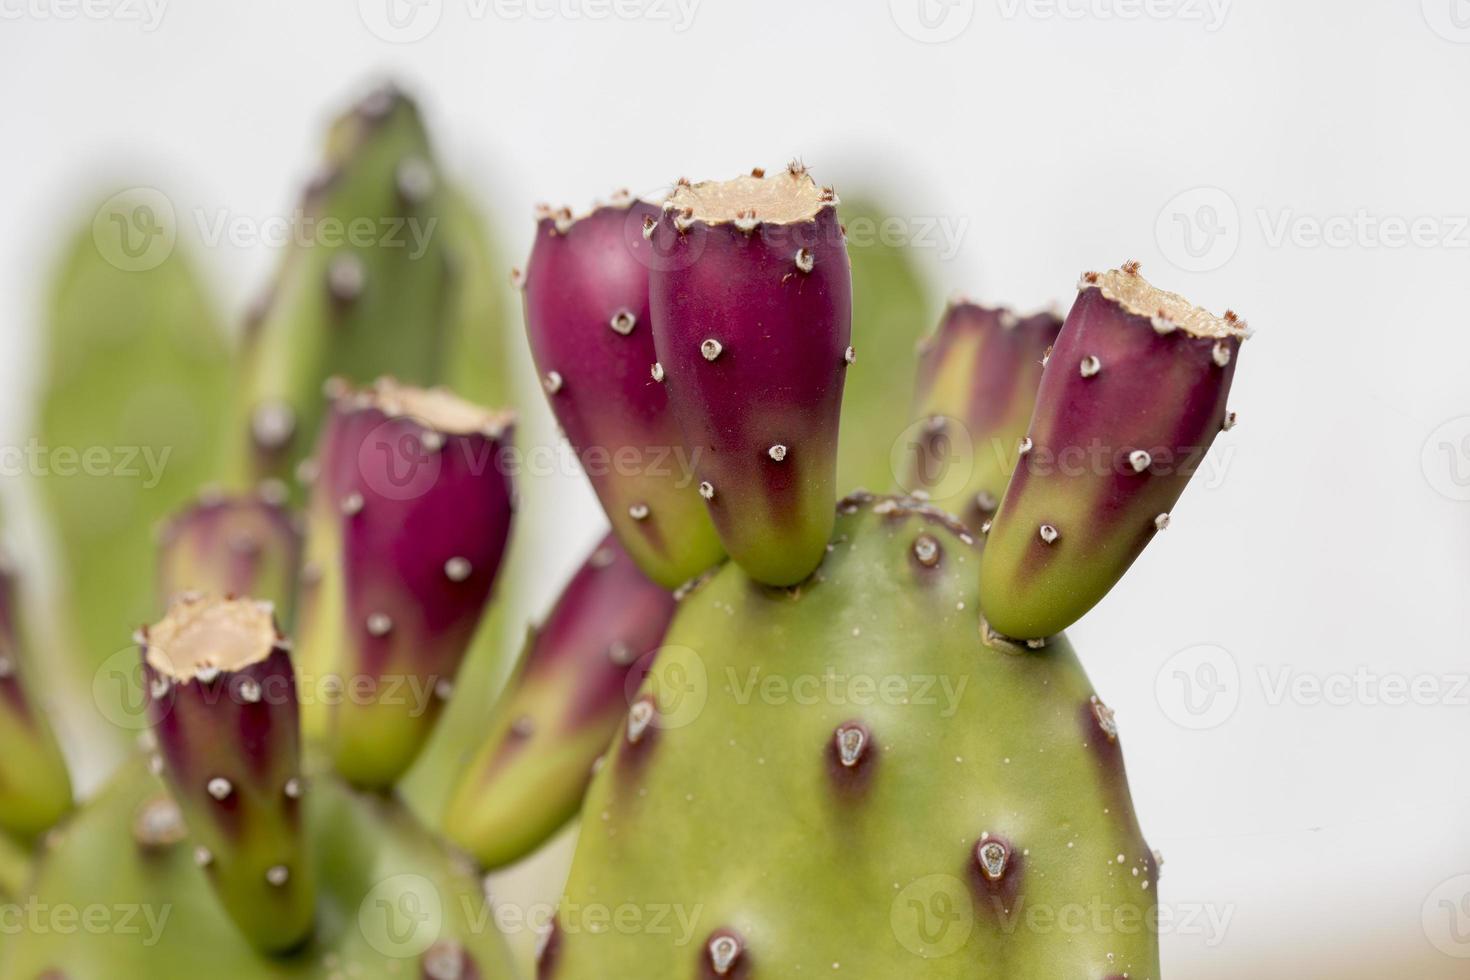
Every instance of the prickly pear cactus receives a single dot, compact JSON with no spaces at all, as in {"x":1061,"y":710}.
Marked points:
{"x":392,"y":901}
{"x":847,"y":778}
{"x":135,"y":370}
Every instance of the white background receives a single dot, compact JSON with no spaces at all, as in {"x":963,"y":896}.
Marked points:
{"x":1058,"y":137}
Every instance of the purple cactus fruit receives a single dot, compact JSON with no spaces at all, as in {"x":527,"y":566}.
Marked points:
{"x":1131,"y":399}
{"x":976,"y":388}
{"x":35,"y":788}
{"x":751,"y":296}
{"x":587,"y":318}
{"x":247,"y":544}
{"x":223,"y":706}
{"x":561,"y":707}
{"x":413,"y":529}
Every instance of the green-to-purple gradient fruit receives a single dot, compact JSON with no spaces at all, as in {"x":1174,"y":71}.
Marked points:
{"x":392,"y":901}
{"x":587,"y":318}
{"x":976,"y":387}
{"x":751,"y":298}
{"x":1131,"y":399}
{"x":409,"y":521}
{"x":232,"y":544}
{"x":849,"y":779}
{"x":364,"y":289}
{"x":225,"y":714}
{"x":35,"y":787}
{"x":567,"y":697}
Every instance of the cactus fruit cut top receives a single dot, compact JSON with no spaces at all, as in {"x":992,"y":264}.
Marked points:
{"x":751,"y":298}
{"x":1130,"y":401}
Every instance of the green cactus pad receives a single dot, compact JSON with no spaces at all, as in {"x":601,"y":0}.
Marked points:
{"x":135,"y":368}
{"x":891,"y":312}
{"x":392,"y":898}
{"x":847,"y":779}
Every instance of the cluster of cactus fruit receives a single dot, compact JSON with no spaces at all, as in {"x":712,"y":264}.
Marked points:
{"x":946,"y":791}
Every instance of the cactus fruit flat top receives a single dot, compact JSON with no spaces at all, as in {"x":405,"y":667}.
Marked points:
{"x":847,"y":779}
{"x":208,"y":635}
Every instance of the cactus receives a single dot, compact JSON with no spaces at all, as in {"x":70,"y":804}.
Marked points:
{"x":751,"y":298}
{"x":364,"y":290}
{"x":224,"y":709}
{"x":563,"y":703}
{"x":890,"y":313}
{"x":587,"y":317}
{"x":35,"y":788}
{"x":393,"y":900}
{"x":1132,"y":397}
{"x":803,"y":812}
{"x":976,"y":388}
{"x":409,"y":521}
{"x":135,"y":367}
{"x":232,"y":545}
